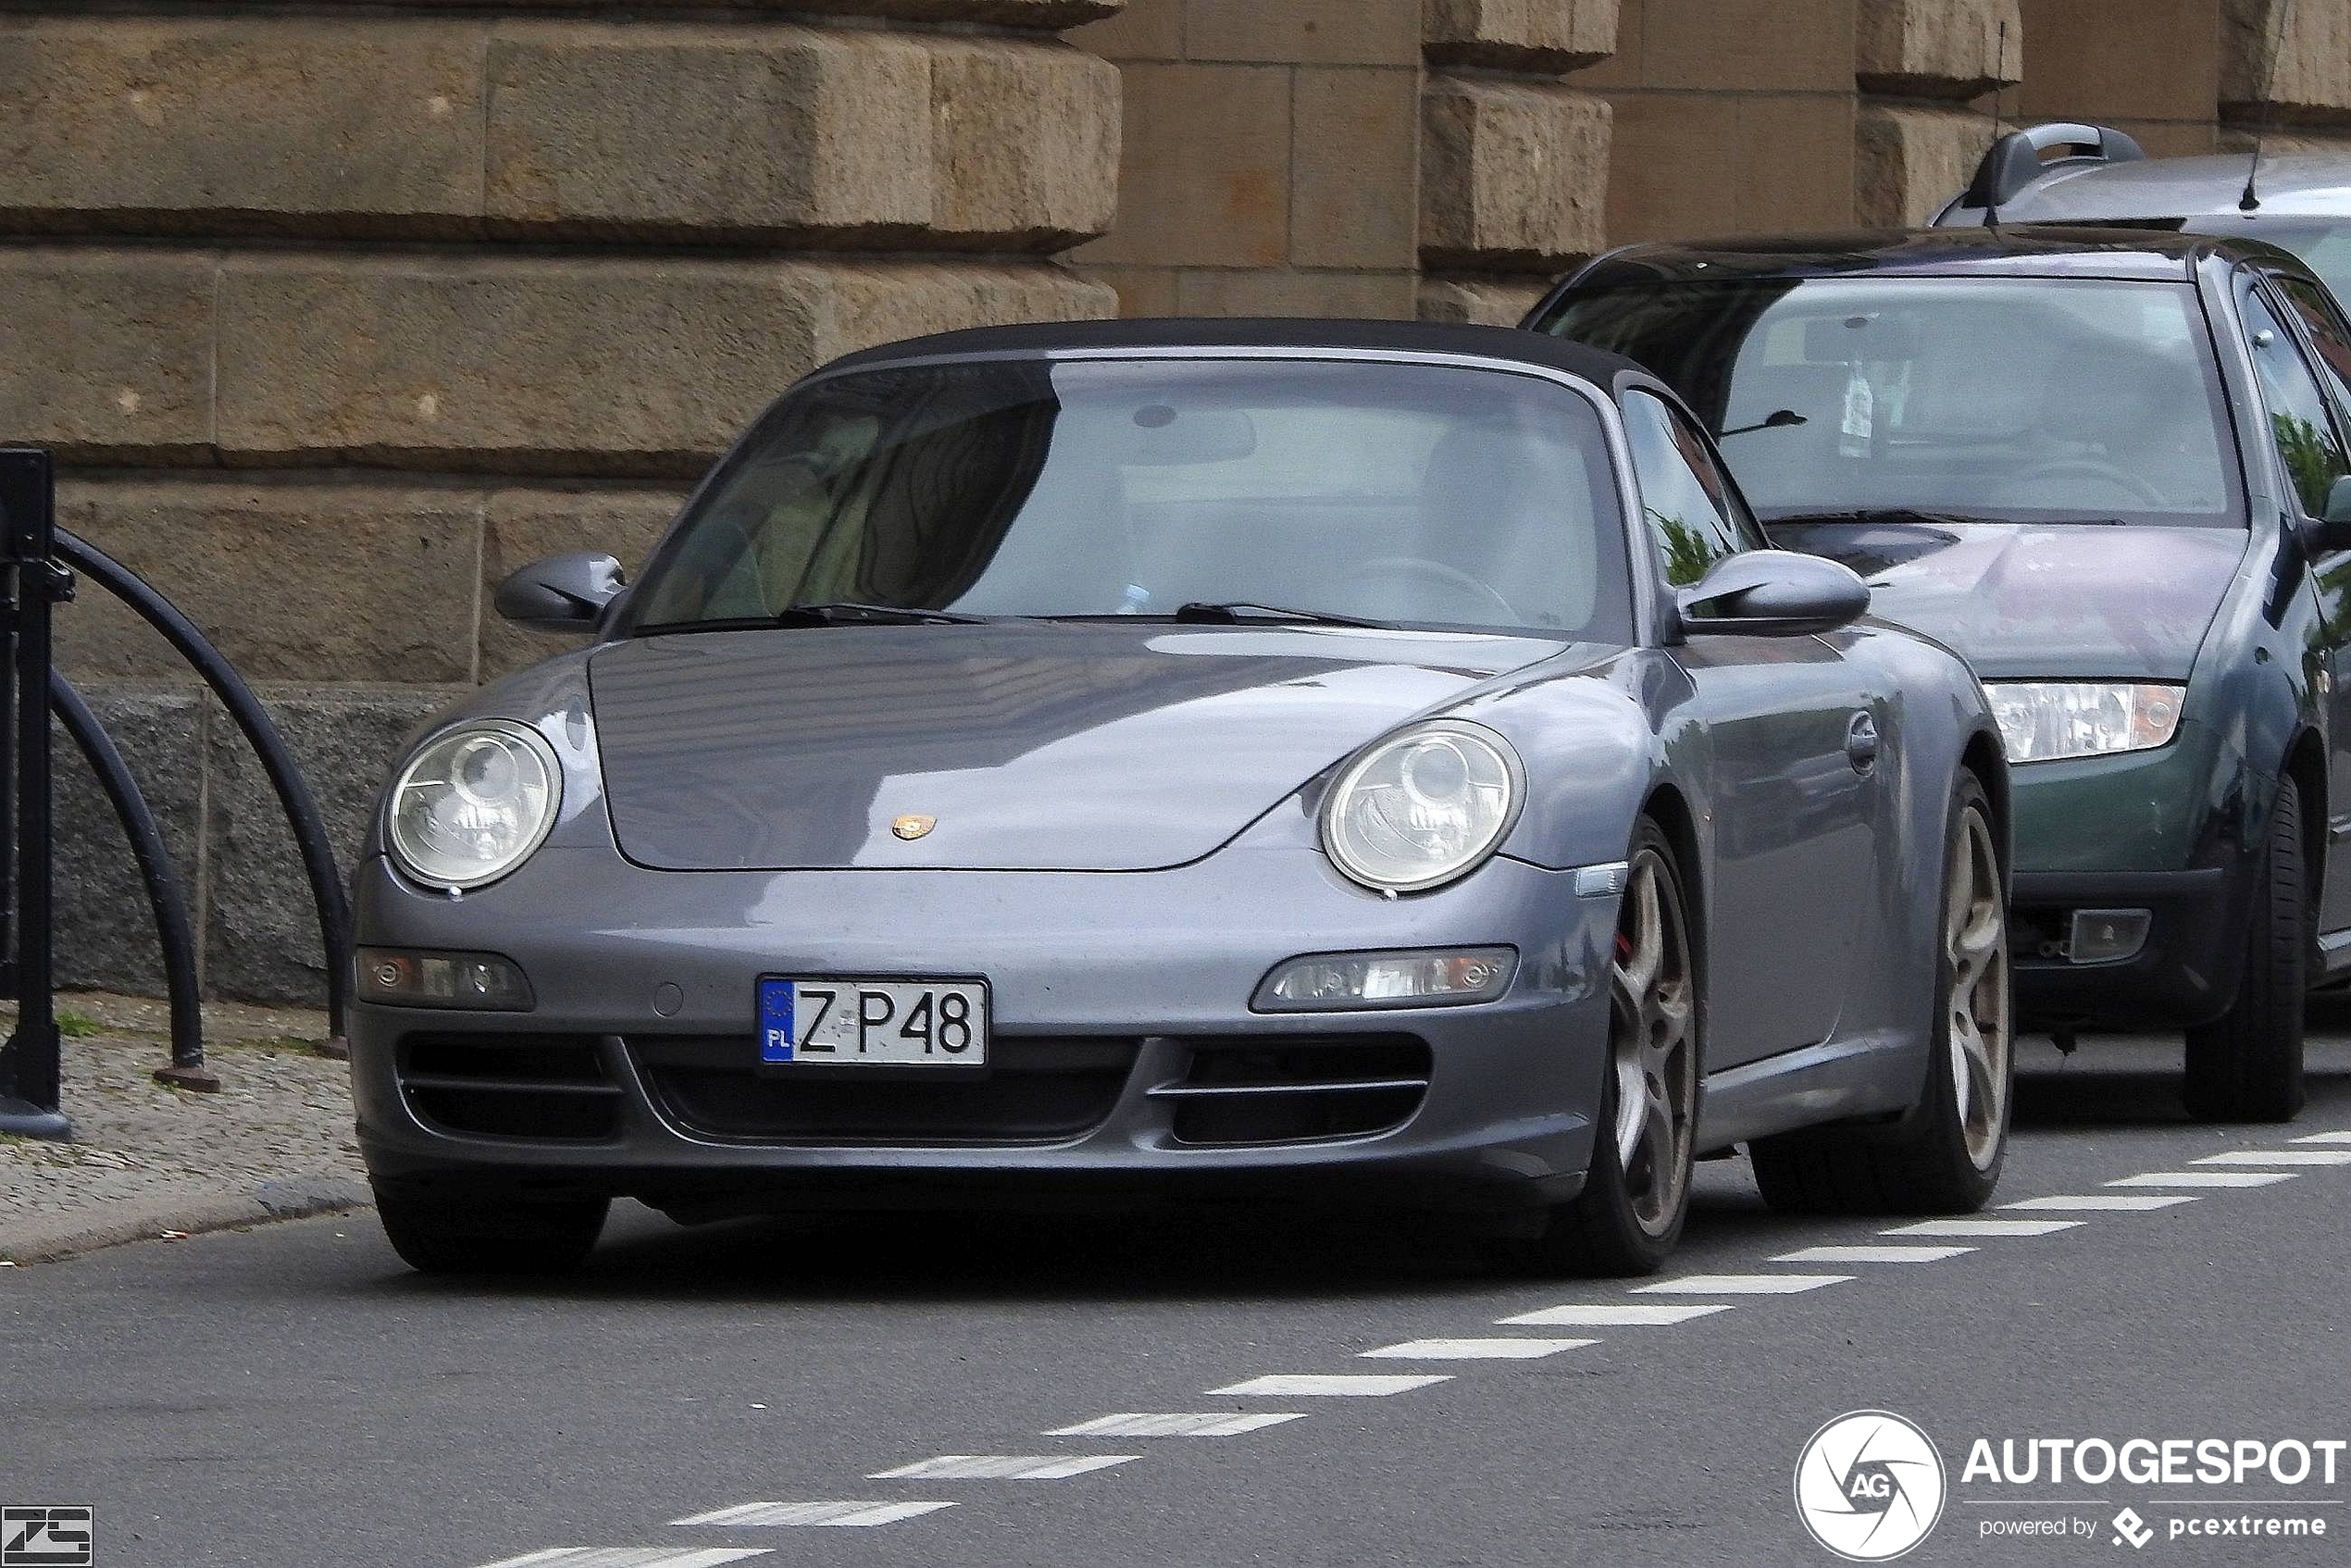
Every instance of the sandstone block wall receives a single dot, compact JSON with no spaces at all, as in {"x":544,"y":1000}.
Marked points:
{"x":337,"y":312}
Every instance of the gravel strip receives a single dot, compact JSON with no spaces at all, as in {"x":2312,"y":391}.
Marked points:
{"x":276,"y":1139}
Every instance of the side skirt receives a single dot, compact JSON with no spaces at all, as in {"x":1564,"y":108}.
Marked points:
{"x":1838,"y":1079}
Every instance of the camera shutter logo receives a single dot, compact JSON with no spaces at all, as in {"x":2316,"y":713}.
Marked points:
{"x":1870,"y":1486}
{"x":56,"y":1536}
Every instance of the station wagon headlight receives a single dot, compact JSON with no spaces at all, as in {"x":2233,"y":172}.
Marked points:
{"x":2044,"y":720}
{"x":1423,"y":807}
{"x":472,"y":803}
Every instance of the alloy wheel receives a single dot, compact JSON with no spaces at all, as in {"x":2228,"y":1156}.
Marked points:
{"x":1653,"y":1044}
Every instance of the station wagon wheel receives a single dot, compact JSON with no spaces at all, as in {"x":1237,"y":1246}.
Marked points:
{"x":1653,"y":1045}
{"x":1976,"y":949}
{"x":1636,"y":1190}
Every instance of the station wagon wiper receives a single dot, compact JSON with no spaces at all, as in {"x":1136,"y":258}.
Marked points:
{"x":837,"y":612}
{"x":1880,"y":515}
{"x":1227,"y":612}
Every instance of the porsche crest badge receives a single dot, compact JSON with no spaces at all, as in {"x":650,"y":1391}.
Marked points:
{"x":913,"y":826}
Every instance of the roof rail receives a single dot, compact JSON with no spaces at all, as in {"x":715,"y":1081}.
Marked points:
{"x":2015,"y":160}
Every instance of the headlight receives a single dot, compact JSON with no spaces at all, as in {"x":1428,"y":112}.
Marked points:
{"x":472,"y":803}
{"x":2042,"y":720}
{"x":1423,"y":807}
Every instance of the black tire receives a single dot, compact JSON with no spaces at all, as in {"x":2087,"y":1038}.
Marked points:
{"x":1601,"y":1233}
{"x":1921,"y":1162}
{"x":2246,"y":1067}
{"x":438,"y":1233}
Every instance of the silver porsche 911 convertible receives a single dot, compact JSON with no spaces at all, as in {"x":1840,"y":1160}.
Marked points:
{"x":1128,"y":764}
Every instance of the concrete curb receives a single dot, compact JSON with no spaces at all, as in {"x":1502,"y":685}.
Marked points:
{"x":192,"y":1210}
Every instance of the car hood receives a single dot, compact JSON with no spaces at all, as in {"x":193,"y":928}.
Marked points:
{"x":2019,"y":600}
{"x":1028,"y":746}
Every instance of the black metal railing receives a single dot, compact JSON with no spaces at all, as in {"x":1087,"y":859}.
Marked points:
{"x":38,"y":563}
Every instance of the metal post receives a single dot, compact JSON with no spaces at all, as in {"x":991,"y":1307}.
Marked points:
{"x":28,"y":1065}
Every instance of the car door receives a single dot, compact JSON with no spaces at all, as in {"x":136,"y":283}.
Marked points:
{"x":2306,"y":398}
{"x":1793,"y":748}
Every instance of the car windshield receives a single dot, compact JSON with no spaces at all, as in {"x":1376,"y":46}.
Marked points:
{"x":1411,"y":493}
{"x":2031,"y":400}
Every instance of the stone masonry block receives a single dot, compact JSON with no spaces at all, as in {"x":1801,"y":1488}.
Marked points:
{"x":1204,"y":168}
{"x":632,"y":367}
{"x":1938,"y":48}
{"x":291,"y":581}
{"x":106,"y":933}
{"x":650,"y":131}
{"x":1354,"y":33}
{"x":1353,"y":159}
{"x":1039,"y":14}
{"x":2287,"y":62}
{"x":1481,"y":302}
{"x":1523,"y":35}
{"x":108,"y":354}
{"x":1513,"y":176}
{"x":251,"y":124}
{"x":527,"y":525}
{"x":1025,"y":143}
{"x":1908,"y":160}
{"x":261,"y":932}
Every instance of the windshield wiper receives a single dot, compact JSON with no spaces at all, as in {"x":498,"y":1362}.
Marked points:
{"x":1227,"y":612}
{"x":840,"y":612}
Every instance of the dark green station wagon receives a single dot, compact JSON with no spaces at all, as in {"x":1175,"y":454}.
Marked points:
{"x":2113,"y":469}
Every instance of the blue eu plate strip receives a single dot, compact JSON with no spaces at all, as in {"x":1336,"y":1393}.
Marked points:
{"x":774,"y":1020}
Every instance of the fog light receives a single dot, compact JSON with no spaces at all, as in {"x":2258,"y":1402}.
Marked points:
{"x":403,"y":977}
{"x":1386,"y":979}
{"x":2107,"y":935}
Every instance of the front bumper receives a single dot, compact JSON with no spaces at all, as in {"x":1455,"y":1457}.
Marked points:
{"x":1126,"y":1064}
{"x":2185,"y":973}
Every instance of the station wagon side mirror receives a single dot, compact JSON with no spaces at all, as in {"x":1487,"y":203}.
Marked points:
{"x":1772,"y":593}
{"x":2334,"y":531}
{"x":562,"y":593}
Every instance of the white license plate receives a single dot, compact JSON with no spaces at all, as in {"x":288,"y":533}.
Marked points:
{"x":873,"y":1023}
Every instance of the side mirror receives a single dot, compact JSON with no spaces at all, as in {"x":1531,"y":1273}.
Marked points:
{"x":562,"y":593}
{"x":1772,"y":593}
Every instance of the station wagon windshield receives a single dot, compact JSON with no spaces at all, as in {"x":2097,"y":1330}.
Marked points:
{"x":2026,"y":400}
{"x":1413,"y":494}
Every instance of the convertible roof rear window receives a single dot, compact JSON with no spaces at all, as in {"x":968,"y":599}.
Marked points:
{"x":1413,"y":493}
{"x":2025,"y":399}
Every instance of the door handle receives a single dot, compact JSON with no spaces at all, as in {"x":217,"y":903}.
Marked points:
{"x":1861,"y":741}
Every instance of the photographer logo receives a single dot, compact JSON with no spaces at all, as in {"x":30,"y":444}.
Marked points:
{"x":1868,"y":1486}
{"x":55,"y":1536}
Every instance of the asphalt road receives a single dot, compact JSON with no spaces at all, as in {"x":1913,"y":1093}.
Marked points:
{"x":292,"y":1397}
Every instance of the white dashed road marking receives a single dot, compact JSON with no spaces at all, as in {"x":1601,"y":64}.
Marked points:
{"x":2128,"y":1202}
{"x":1002,"y":1467}
{"x":1984,"y":1228}
{"x":2326,"y":1138}
{"x":1293,"y":1384}
{"x":2205,"y":1179}
{"x":631,"y":1557}
{"x":1478,"y":1350}
{"x":2278,"y":1157}
{"x":1629,"y":1314}
{"x":1740,"y":1284}
{"x":1872,"y":1253}
{"x":1176,"y":1426}
{"x":852,"y":1514}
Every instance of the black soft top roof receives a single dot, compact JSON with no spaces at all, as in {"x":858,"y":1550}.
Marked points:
{"x":1211,"y":334}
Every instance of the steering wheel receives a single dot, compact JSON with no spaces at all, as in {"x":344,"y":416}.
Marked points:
{"x":2129,"y":485}
{"x":1450,"y":580}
